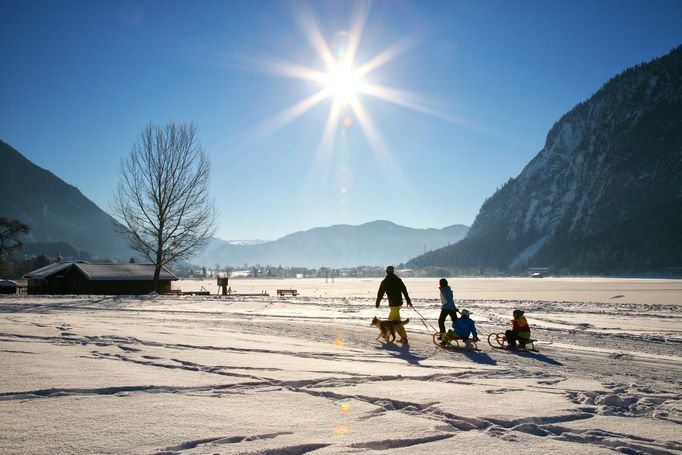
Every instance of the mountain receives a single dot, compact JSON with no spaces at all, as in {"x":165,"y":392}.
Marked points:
{"x":374,"y":243}
{"x":54,"y":210}
{"x":604,"y":195}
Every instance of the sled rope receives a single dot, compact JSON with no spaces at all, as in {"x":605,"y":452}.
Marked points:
{"x":482,"y":332}
{"x":423,"y":320}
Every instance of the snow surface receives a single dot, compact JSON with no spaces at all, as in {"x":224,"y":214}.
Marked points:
{"x":282,"y":376}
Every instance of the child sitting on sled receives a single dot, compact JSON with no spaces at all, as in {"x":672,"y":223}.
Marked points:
{"x":520,"y":330}
{"x":464,"y":327}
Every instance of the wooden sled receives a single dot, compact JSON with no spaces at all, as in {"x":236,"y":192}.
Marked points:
{"x":455,"y":344}
{"x":499,"y":341}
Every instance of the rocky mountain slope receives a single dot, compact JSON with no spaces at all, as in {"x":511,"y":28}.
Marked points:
{"x":604,"y":195}
{"x":54,"y":210}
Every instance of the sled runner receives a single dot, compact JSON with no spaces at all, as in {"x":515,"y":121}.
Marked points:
{"x":499,"y":341}
{"x":455,"y":344}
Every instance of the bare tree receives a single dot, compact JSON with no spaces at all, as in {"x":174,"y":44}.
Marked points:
{"x":162,"y":197}
{"x":11,"y":231}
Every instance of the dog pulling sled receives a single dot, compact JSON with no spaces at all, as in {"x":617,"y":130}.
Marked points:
{"x":499,"y":341}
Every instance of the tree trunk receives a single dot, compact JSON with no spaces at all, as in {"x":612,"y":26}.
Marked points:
{"x":157,"y":273}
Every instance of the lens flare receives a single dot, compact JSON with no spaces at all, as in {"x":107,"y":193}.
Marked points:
{"x":338,"y":342}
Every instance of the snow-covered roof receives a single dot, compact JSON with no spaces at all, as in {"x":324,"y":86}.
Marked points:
{"x":123,"y":272}
{"x":49,"y":270}
{"x":104,"y":272}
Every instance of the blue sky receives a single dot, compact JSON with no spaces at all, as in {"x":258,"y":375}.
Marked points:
{"x":477,"y":85}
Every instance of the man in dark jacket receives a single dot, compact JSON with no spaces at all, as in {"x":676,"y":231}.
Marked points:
{"x":394,"y":288}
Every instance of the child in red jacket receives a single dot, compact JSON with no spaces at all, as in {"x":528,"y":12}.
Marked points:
{"x":520,"y":330}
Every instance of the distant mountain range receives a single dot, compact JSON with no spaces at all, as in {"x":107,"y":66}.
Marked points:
{"x":604,"y":195}
{"x":374,"y":243}
{"x":63,"y":220}
{"x":55,"y":211}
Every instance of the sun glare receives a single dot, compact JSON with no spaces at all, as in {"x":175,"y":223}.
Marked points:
{"x":343,"y":83}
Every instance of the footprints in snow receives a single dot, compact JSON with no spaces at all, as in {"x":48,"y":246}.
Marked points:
{"x":629,"y":401}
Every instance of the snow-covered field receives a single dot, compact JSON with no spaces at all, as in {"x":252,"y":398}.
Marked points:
{"x":283,"y":376}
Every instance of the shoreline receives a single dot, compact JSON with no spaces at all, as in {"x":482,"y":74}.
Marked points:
{"x":592,"y":289}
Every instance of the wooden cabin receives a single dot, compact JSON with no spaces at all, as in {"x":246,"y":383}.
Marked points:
{"x":79,"y":277}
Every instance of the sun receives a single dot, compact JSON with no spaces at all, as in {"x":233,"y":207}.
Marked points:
{"x":343,"y":83}
{"x":345,"y":79}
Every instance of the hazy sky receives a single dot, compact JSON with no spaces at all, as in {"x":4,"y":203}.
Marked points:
{"x":455,"y":96}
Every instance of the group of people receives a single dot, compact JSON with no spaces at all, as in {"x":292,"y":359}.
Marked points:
{"x":463,"y":327}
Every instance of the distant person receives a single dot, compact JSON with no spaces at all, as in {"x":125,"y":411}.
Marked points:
{"x":464,"y":328}
{"x":448,"y":307}
{"x":394,"y":288}
{"x":520,"y":330}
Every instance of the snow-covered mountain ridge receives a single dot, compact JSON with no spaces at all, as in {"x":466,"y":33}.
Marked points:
{"x":603,"y":195}
{"x":375,"y":243}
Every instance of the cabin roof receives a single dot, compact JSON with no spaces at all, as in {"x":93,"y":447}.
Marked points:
{"x":103,"y":272}
{"x":49,"y":270}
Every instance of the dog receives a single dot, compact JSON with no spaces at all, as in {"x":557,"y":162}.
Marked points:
{"x":387,"y":329}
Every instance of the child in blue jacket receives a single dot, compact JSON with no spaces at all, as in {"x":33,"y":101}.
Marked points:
{"x":464,"y":328}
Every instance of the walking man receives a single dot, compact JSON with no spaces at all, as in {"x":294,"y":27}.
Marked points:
{"x":394,"y":288}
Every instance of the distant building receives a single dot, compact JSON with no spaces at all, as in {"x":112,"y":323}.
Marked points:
{"x":538,"y":272}
{"x":79,"y":277}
